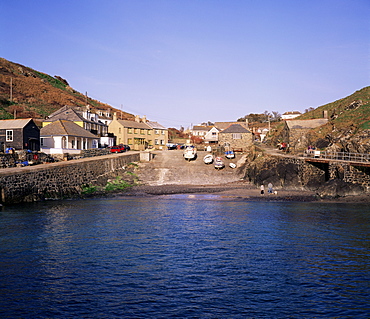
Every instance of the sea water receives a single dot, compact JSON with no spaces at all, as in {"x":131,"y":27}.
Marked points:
{"x":184,"y":256}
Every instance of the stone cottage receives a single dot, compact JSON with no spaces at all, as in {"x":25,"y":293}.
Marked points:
{"x":237,"y":137}
{"x":295,"y":132}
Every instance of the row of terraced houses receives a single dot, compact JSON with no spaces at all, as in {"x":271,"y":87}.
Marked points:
{"x":72,"y":129}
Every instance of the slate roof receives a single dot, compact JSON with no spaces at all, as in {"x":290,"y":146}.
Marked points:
{"x":14,"y":124}
{"x":235,"y":128}
{"x":224,"y":125}
{"x":66,"y":113}
{"x":134,"y":124}
{"x":70,"y":113}
{"x":155,"y":125}
{"x":201,"y":128}
{"x":65,"y":128}
{"x":305,"y":124}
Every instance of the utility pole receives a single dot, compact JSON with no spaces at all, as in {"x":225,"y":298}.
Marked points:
{"x":86,"y":97}
{"x":11,"y":89}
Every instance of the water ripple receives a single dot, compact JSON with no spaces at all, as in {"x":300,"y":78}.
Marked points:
{"x":184,"y":258}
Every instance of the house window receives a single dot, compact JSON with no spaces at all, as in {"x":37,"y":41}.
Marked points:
{"x":162,"y":142}
{"x":237,"y":136}
{"x":130,"y":130}
{"x":129,"y":141}
{"x":157,"y":132}
{"x":136,"y":131}
{"x":214,"y":133}
{"x":142,"y":132}
{"x":119,"y":130}
{"x":156,"y":142}
{"x":9,"y":135}
{"x":149,"y":132}
{"x":162,"y":132}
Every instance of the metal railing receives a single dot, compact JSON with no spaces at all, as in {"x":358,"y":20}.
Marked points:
{"x":339,"y":156}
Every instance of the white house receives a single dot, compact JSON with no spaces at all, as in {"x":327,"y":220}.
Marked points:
{"x":290,"y":115}
{"x":200,"y":130}
{"x":85,"y":118}
{"x":212,"y":135}
{"x":62,"y":136}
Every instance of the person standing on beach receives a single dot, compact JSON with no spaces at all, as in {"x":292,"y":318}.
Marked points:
{"x":269,"y":186}
{"x":262,"y":189}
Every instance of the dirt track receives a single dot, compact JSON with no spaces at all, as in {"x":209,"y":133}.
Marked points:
{"x":170,"y":173}
{"x":170,"y":168}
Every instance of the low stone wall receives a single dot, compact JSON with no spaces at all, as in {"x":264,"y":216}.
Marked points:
{"x":95,"y":152}
{"x":351,"y":174}
{"x":328,"y":179}
{"x":62,"y":179}
{"x":8,"y":160}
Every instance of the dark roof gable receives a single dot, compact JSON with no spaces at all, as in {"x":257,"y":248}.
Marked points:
{"x":235,"y":128}
{"x":65,"y":127}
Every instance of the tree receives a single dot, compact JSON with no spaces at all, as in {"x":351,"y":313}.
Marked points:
{"x":309,"y":109}
{"x":261,"y":118}
{"x":276,"y":116}
{"x":196,"y":139}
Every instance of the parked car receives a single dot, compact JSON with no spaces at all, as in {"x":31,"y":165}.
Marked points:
{"x":171,"y":146}
{"x":117,"y":149}
{"x":127,"y":148}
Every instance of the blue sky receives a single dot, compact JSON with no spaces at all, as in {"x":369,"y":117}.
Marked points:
{"x":183,"y":62}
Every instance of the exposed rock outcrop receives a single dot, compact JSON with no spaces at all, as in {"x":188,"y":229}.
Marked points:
{"x":328,"y":180}
{"x":338,"y":188}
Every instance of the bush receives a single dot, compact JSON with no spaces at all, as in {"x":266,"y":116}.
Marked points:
{"x":87,"y":189}
{"x":117,"y":184}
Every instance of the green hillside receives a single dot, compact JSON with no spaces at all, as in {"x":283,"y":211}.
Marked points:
{"x":351,"y":111}
{"x":348,"y":128}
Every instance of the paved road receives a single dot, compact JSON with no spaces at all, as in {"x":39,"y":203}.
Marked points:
{"x":169,"y":167}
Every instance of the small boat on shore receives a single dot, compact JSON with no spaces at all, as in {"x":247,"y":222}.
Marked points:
{"x":208,"y":159}
{"x":229,"y":154}
{"x":190,"y":153}
{"x":219,"y":163}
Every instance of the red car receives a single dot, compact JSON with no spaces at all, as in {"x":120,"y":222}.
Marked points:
{"x":117,"y":149}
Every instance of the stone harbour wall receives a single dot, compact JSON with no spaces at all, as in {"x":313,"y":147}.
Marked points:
{"x":62,"y":179}
{"x":357,"y":175}
{"x":296,"y":173}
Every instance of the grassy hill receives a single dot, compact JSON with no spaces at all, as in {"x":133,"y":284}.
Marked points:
{"x":353,"y":110}
{"x":348,"y":128}
{"x":25,"y":93}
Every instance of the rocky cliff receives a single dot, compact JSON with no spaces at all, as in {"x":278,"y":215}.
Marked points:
{"x":290,"y":172}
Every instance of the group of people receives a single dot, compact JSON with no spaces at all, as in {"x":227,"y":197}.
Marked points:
{"x":269,"y":189}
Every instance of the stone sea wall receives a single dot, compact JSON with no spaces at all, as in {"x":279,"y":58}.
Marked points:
{"x":62,"y":179}
{"x":330,"y":179}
